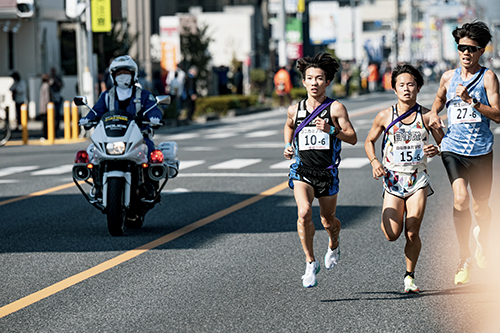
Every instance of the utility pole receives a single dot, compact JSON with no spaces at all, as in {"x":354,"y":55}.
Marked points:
{"x":282,"y":40}
{"x":353,"y":27}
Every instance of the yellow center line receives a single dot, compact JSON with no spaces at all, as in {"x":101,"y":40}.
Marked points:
{"x":72,"y":280}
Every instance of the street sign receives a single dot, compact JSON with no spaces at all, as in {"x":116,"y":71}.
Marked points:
{"x":101,"y":15}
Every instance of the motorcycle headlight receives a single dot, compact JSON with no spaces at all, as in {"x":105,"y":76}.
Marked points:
{"x":115,"y":148}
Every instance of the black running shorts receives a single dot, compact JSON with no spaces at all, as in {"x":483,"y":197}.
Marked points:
{"x":477,"y":171}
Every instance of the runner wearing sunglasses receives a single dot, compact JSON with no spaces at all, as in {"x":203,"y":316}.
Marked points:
{"x":313,"y":132}
{"x":471,"y":95}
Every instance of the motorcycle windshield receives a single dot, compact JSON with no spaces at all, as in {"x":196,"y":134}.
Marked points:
{"x":116,"y":122}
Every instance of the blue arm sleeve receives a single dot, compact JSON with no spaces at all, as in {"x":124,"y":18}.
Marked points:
{"x":149,"y":100}
{"x":100,"y":107}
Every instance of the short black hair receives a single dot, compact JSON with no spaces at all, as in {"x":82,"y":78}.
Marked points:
{"x":409,"y":69}
{"x":477,"y":31}
{"x":322,"y":61}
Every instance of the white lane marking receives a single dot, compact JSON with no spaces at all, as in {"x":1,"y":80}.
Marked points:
{"x":261,"y":134}
{"x":497,"y":130}
{"x":54,"y":171}
{"x":260,"y":145}
{"x":200,"y":149}
{"x":8,"y":181}
{"x":183,"y":165}
{"x":13,"y":170}
{"x":353,"y":163}
{"x":236,"y":163}
{"x":221,"y":135}
{"x":282,"y":165}
{"x":228,"y":174}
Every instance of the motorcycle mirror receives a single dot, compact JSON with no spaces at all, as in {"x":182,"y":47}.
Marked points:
{"x":80,"y":100}
{"x":163,"y":99}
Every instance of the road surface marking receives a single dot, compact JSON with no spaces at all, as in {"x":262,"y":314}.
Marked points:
{"x":77,"y":278}
{"x":236,"y":163}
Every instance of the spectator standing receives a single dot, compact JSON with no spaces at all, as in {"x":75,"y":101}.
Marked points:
{"x":191,"y":91}
{"x":56,"y":85}
{"x":44,"y":99}
{"x":283,"y":85}
{"x":238,"y":81}
{"x":18,"y":89}
{"x":175,"y":86}
{"x":373,"y":77}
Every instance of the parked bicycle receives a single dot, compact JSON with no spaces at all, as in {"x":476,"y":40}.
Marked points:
{"x":4,"y":131}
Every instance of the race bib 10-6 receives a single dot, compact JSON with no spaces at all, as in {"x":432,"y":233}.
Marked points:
{"x":313,"y":138}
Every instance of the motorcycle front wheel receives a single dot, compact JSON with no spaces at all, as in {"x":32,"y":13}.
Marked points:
{"x":116,"y":211}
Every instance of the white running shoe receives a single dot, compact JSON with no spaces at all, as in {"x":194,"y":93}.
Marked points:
{"x":410,"y":286}
{"x":309,"y":278}
{"x":332,"y":257}
{"x":480,"y":253}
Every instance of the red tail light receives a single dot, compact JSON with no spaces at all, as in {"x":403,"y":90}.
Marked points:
{"x":156,"y":156}
{"x":82,"y":157}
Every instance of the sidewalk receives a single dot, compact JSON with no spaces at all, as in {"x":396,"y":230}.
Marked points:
{"x":35,"y":136}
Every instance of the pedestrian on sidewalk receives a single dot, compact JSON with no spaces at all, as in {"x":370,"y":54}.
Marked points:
{"x":18,"y":90}
{"x":44,"y":99}
{"x":314,"y":130}
{"x":405,"y":129}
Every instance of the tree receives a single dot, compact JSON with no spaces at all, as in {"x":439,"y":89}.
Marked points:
{"x":194,"y":51}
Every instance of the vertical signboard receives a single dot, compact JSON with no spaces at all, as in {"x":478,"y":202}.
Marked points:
{"x":170,"y":42}
{"x":101,"y":15}
{"x":294,"y":39}
{"x":323,"y":22}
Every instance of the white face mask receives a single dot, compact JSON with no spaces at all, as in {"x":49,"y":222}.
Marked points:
{"x":123,"y":81}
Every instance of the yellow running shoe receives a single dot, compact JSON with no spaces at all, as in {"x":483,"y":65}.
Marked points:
{"x":462,"y":276}
{"x":410,"y":286}
{"x":480,"y":254}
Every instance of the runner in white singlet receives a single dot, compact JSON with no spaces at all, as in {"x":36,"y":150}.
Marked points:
{"x":403,"y":167}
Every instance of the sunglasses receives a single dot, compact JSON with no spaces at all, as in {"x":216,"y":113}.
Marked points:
{"x":470,"y":48}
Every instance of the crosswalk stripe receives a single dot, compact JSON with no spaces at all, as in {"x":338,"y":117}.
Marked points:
{"x":236,"y":163}
{"x":176,"y":137}
{"x":282,"y":165}
{"x":234,"y":174}
{"x":18,"y":169}
{"x":176,"y":190}
{"x":260,"y":145}
{"x":183,"y":165}
{"x":54,"y":171}
{"x":353,"y":163}
{"x":261,"y":134}
{"x":221,"y":135}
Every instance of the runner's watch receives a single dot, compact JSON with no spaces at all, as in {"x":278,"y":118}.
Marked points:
{"x":474,"y":102}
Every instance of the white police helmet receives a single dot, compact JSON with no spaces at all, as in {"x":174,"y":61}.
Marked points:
{"x":123,"y":62}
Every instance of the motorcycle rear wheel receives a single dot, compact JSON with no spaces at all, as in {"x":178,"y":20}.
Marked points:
{"x":116,"y":211}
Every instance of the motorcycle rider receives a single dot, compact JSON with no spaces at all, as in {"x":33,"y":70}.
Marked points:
{"x":126,"y":95}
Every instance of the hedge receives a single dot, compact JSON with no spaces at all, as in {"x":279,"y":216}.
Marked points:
{"x":222,"y":104}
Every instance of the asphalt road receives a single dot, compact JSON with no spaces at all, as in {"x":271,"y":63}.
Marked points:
{"x":221,"y":254}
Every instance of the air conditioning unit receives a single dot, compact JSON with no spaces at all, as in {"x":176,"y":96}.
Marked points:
{"x":25,"y":8}
{"x":75,"y":8}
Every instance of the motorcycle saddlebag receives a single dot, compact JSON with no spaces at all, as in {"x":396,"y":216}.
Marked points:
{"x":169,"y":150}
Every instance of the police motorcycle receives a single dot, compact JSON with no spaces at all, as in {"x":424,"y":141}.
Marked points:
{"x":116,"y":175}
